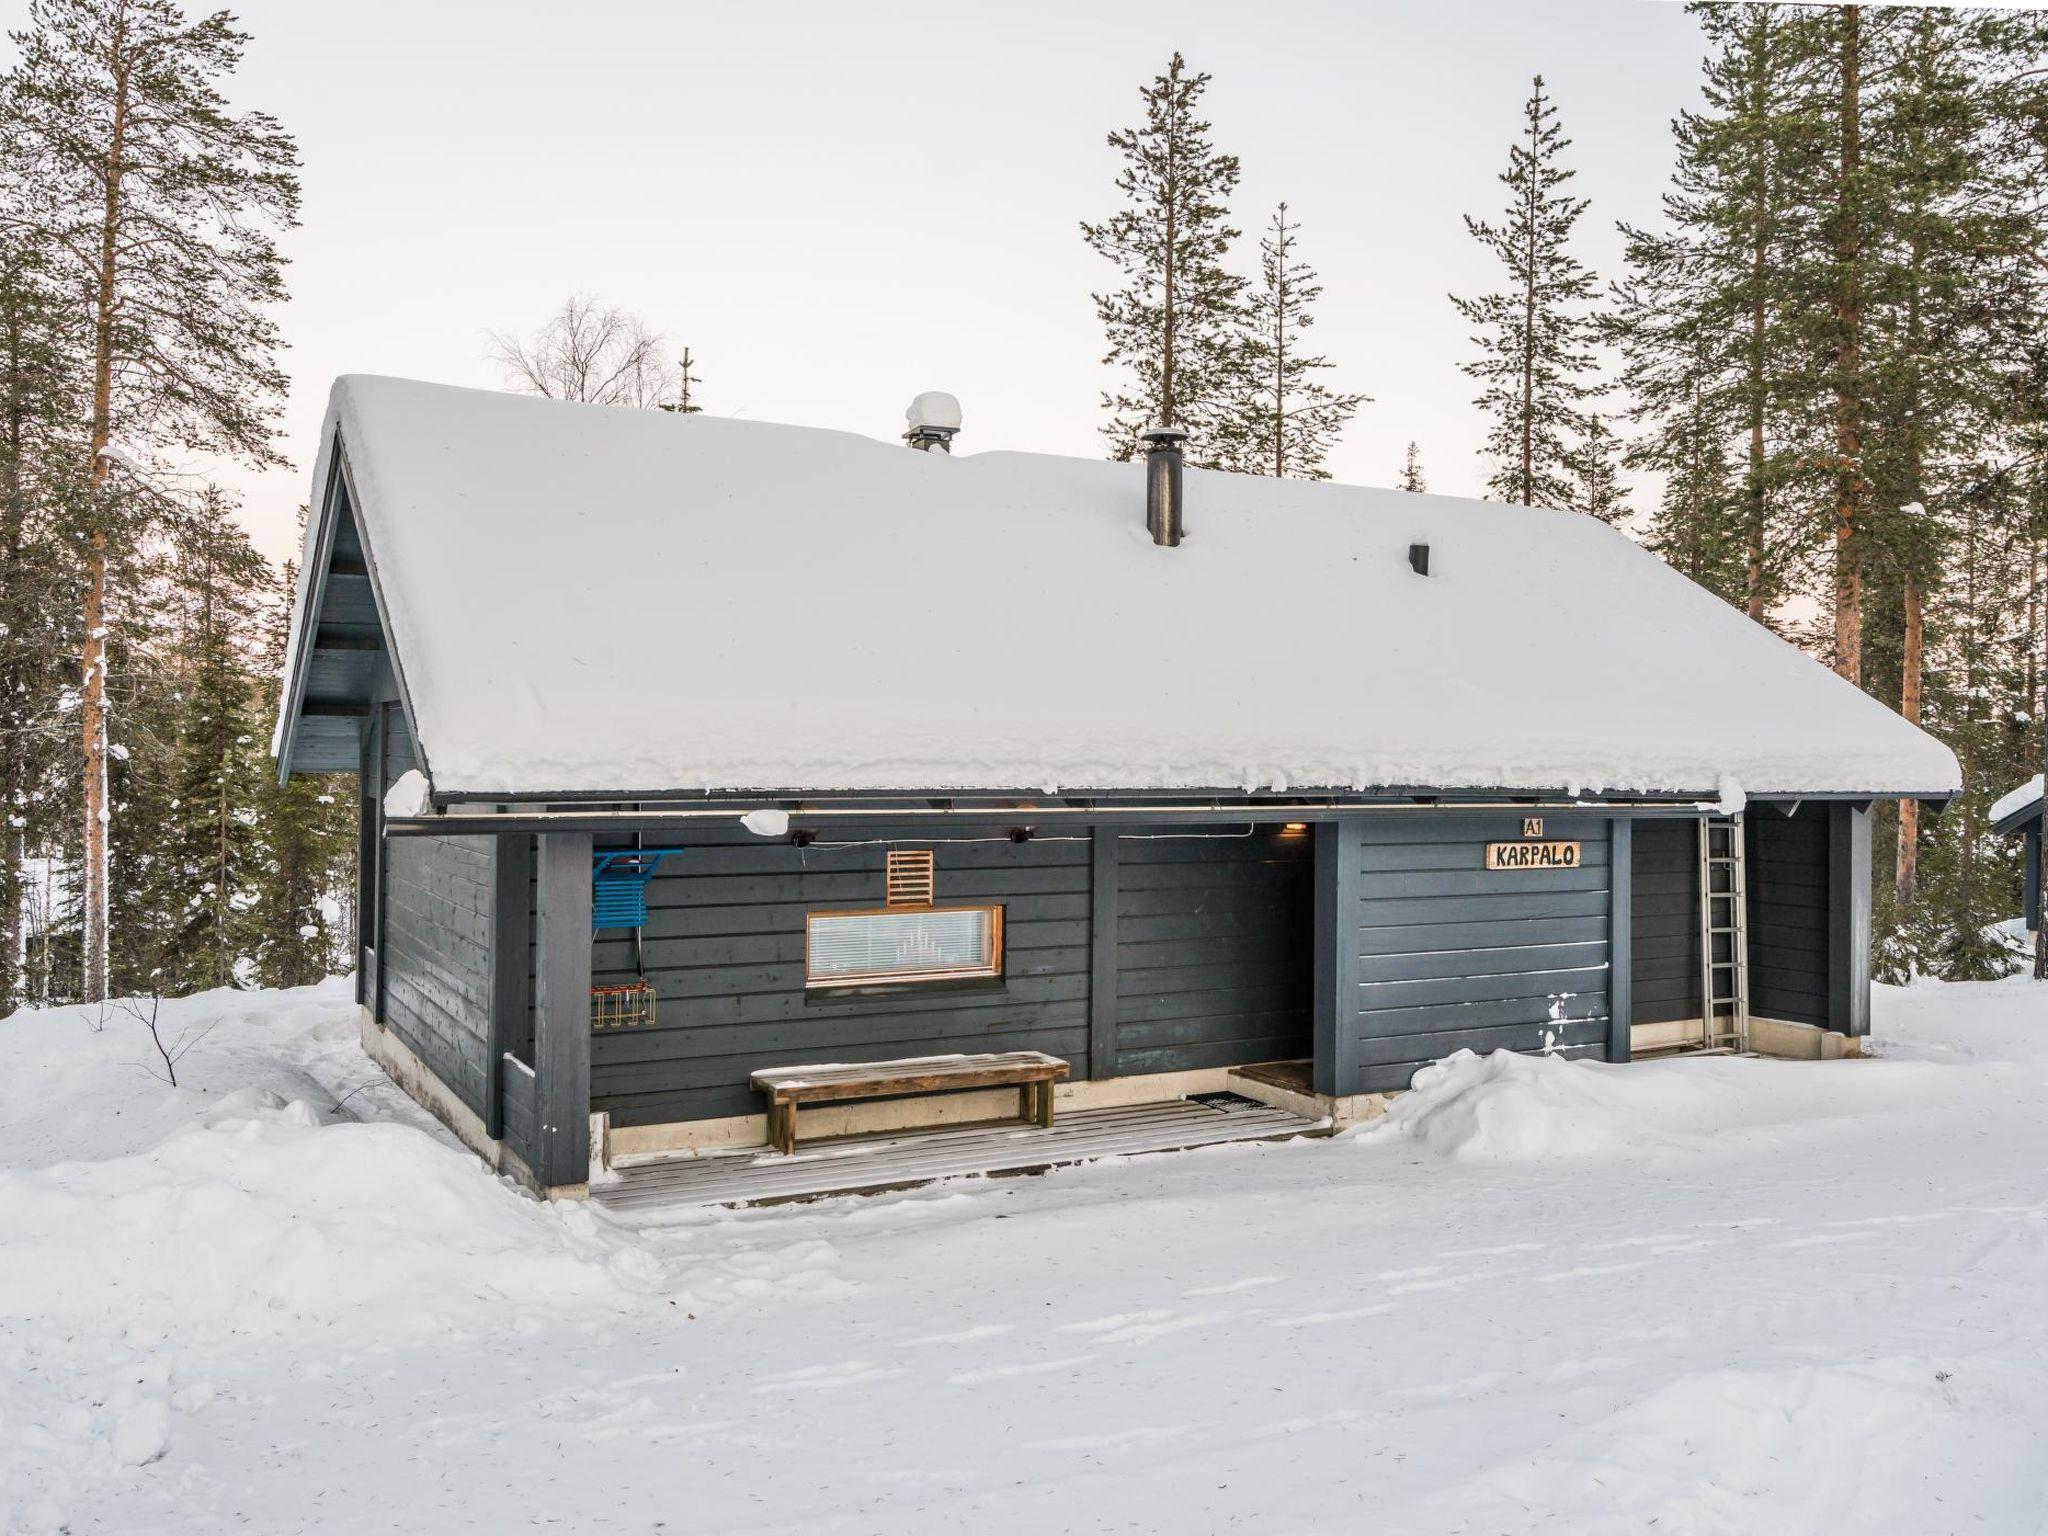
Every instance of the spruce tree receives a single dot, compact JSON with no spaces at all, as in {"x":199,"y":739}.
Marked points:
{"x":38,"y":577}
{"x":1698,"y":526}
{"x":1286,"y":418}
{"x":1411,"y":471}
{"x":209,"y":867}
{"x":1173,"y":325}
{"x":1535,"y":335}
{"x":1595,"y":466}
{"x":307,"y":828}
{"x":157,"y":205}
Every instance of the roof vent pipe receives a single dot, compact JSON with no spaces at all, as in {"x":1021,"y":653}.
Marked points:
{"x":1163,"y":504}
{"x":934,"y":417}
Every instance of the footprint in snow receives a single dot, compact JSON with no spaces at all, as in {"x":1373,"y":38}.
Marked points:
{"x":1250,"y":1283}
{"x":964,"y":1336}
{"x":1005,"y":1372}
{"x":1316,"y":1319}
{"x":827,"y":1378}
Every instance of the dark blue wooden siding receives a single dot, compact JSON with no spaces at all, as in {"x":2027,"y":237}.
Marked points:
{"x":1452,"y":956}
{"x":1665,"y":922}
{"x":1788,"y":891}
{"x":724,"y":948}
{"x":437,"y":956}
{"x":1214,"y":950}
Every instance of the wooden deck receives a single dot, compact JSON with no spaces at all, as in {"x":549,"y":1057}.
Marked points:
{"x":870,"y":1164}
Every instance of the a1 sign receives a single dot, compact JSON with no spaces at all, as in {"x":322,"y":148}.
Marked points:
{"x":1532,"y":826}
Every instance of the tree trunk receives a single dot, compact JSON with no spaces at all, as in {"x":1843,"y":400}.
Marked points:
{"x":1529,"y":323}
{"x":2041,"y":725}
{"x":1907,"y":867}
{"x":1755,"y":531}
{"x":1849,"y":485}
{"x":93,"y":660}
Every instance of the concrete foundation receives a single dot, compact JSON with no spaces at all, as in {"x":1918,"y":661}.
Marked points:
{"x":1767,"y":1037}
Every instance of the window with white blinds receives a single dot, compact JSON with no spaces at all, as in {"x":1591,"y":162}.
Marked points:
{"x":924,"y":944}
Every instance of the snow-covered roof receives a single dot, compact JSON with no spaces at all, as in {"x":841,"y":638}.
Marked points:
{"x":591,"y":599}
{"x":2013,"y":805}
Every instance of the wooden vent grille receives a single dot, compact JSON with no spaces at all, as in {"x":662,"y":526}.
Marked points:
{"x":910,"y":879}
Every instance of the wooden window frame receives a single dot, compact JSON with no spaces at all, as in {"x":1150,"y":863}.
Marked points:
{"x":992,"y":968}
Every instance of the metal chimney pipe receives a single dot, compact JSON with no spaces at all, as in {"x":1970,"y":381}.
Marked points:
{"x":933,"y":418}
{"x":1163,"y":503}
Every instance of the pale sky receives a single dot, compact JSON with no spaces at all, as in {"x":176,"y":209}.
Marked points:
{"x":839,"y":205}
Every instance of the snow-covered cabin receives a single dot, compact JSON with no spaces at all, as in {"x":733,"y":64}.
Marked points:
{"x":2019,"y":813}
{"x":1342,"y":781}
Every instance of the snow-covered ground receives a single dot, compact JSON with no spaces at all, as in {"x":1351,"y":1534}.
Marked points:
{"x":1701,"y":1296}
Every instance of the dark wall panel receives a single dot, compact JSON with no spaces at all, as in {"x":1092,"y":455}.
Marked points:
{"x":724,"y":948}
{"x":436,"y":956}
{"x":1788,"y":892}
{"x":1214,"y":950}
{"x":1665,"y":923}
{"x":1455,"y":956}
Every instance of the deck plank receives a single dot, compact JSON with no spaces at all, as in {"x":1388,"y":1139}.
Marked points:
{"x":853,"y":1165}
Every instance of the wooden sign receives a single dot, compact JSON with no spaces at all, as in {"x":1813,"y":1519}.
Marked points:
{"x":1532,"y":826}
{"x":1533,"y":855}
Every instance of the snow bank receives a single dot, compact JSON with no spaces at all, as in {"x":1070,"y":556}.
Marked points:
{"x":1510,"y":1108}
{"x":844,"y":605}
{"x":1507,"y":1107}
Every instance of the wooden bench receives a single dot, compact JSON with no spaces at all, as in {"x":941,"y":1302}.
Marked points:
{"x":1032,"y":1073}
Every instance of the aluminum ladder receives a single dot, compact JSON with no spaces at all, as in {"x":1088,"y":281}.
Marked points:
{"x":1724,"y":936}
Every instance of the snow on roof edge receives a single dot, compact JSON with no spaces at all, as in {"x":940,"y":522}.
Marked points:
{"x":2016,"y":801}
{"x":369,"y":407}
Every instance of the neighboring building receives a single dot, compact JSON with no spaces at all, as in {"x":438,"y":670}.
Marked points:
{"x":2020,"y":812}
{"x":1347,"y":781}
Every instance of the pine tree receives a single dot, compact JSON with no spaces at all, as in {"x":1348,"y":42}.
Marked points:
{"x":1411,"y":471}
{"x":1710,"y":324}
{"x":1174,"y":326}
{"x":1287,"y":418}
{"x":1536,"y":336}
{"x":1595,"y":469}
{"x":157,"y":204}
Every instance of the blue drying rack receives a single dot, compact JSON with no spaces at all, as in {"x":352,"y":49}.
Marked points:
{"x":618,"y":885}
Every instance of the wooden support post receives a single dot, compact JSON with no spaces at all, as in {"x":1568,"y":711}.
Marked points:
{"x":380,"y":782}
{"x":1849,"y":918}
{"x":561,"y":1008}
{"x":1102,"y":942}
{"x":511,"y":954}
{"x":2031,"y":905}
{"x":1339,"y":878}
{"x":1620,"y":935}
{"x":367,"y":812}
